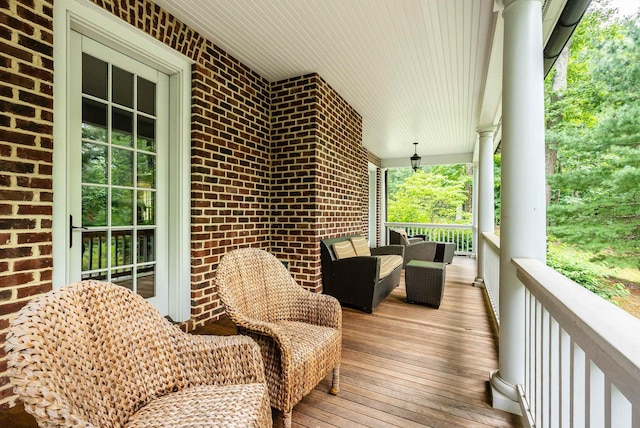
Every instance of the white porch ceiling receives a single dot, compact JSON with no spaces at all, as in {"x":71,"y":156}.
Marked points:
{"x":415,"y":70}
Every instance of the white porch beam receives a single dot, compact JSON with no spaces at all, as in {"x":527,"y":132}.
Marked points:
{"x":450,"y":159}
{"x":522,"y":225}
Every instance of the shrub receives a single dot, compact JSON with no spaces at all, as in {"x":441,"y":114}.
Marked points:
{"x":576,"y":266}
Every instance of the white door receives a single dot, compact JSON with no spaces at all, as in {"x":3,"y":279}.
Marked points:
{"x":117,"y":175}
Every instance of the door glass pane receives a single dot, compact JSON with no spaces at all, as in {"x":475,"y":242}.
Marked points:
{"x":146,"y":281}
{"x":94,"y":206}
{"x":121,"y":247}
{"x":146,"y":96}
{"x":94,"y":76}
{"x":122,"y":87}
{"x":123,"y":277}
{"x":146,"y":134}
{"x":94,"y":120}
{"x":146,"y":170}
{"x":122,"y":129}
{"x":146,"y":246}
{"x":94,"y":163}
{"x":121,"y":167}
{"x":121,"y":207}
{"x":146,"y":207}
{"x":94,"y":250}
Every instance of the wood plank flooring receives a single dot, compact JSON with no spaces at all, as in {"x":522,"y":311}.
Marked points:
{"x":402,"y":366}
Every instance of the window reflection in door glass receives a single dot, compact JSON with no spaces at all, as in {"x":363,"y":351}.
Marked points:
{"x":122,"y":87}
{"x":94,"y":76}
{"x":121,"y":207}
{"x":146,"y":96}
{"x":94,"y":206}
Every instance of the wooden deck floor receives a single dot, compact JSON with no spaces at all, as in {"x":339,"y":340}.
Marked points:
{"x":403,"y":366}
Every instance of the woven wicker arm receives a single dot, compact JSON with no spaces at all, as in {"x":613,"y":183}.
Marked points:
{"x":219,"y":360}
{"x":318,"y":309}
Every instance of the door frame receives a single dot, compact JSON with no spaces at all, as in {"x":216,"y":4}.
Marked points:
{"x":91,"y":21}
{"x":373,"y":204}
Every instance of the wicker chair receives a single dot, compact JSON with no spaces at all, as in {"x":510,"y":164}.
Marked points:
{"x":299,"y":332}
{"x":95,"y":354}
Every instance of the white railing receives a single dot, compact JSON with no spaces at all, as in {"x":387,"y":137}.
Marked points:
{"x":460,"y":234}
{"x":491,"y":255}
{"x":582,"y":355}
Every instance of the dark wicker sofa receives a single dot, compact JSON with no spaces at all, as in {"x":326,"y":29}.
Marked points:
{"x":356,"y":281}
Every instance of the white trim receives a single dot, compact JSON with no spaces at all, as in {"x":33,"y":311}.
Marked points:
{"x":450,"y":159}
{"x":373,"y":199}
{"x":92,"y":21}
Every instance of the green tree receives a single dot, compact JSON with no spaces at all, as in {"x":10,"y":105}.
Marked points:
{"x":437,"y":196}
{"x":593,"y":123}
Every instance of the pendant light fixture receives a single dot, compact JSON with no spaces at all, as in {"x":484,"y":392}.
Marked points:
{"x":415,"y":159}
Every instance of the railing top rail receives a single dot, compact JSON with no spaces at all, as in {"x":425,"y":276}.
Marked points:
{"x":492,"y":239}
{"x":605,"y":332}
{"x":429,"y":225}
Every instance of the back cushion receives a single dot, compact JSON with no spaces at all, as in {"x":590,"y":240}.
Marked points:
{"x":344,"y":250}
{"x":403,"y":234}
{"x":361,"y":246}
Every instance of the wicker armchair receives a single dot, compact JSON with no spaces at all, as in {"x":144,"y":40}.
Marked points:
{"x":95,"y":354}
{"x":299,"y":332}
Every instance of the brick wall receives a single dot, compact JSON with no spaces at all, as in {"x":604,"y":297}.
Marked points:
{"x":319,"y":173}
{"x":294,"y":209}
{"x":274,"y":165}
{"x":230,"y":170}
{"x":26,"y":154}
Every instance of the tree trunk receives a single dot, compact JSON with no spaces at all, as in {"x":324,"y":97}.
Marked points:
{"x":559,"y":86}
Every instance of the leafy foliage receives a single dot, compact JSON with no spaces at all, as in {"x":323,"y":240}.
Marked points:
{"x":435,"y":195}
{"x":576,"y":266}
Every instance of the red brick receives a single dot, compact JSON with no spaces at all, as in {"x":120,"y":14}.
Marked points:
{"x":34,"y":209}
{"x":37,"y":237}
{"x":35,"y":183}
{"x":13,"y":279}
{"x":32,"y":264}
{"x":34,"y":154}
{"x":32,"y":290}
{"x":15,"y":195}
{"x":17,"y":137}
{"x":10,"y":308}
{"x":14,"y":253}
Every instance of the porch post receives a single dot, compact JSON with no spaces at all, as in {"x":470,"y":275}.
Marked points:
{"x":474,"y":212}
{"x":522,"y":222}
{"x":486,"y":209}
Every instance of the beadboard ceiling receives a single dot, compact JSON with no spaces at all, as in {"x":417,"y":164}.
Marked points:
{"x":427,"y":71}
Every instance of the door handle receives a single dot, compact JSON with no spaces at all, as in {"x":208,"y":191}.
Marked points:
{"x":72,"y":228}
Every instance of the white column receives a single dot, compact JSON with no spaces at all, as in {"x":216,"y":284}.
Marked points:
{"x":486,"y":209}
{"x":522,"y":222}
{"x":474,"y":212}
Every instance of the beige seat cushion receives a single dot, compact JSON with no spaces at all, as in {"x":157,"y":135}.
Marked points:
{"x":388,"y":263}
{"x":208,"y":405}
{"x":344,"y":250}
{"x":361,"y":246}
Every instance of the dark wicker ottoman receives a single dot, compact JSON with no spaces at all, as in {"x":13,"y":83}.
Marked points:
{"x":425,"y":282}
